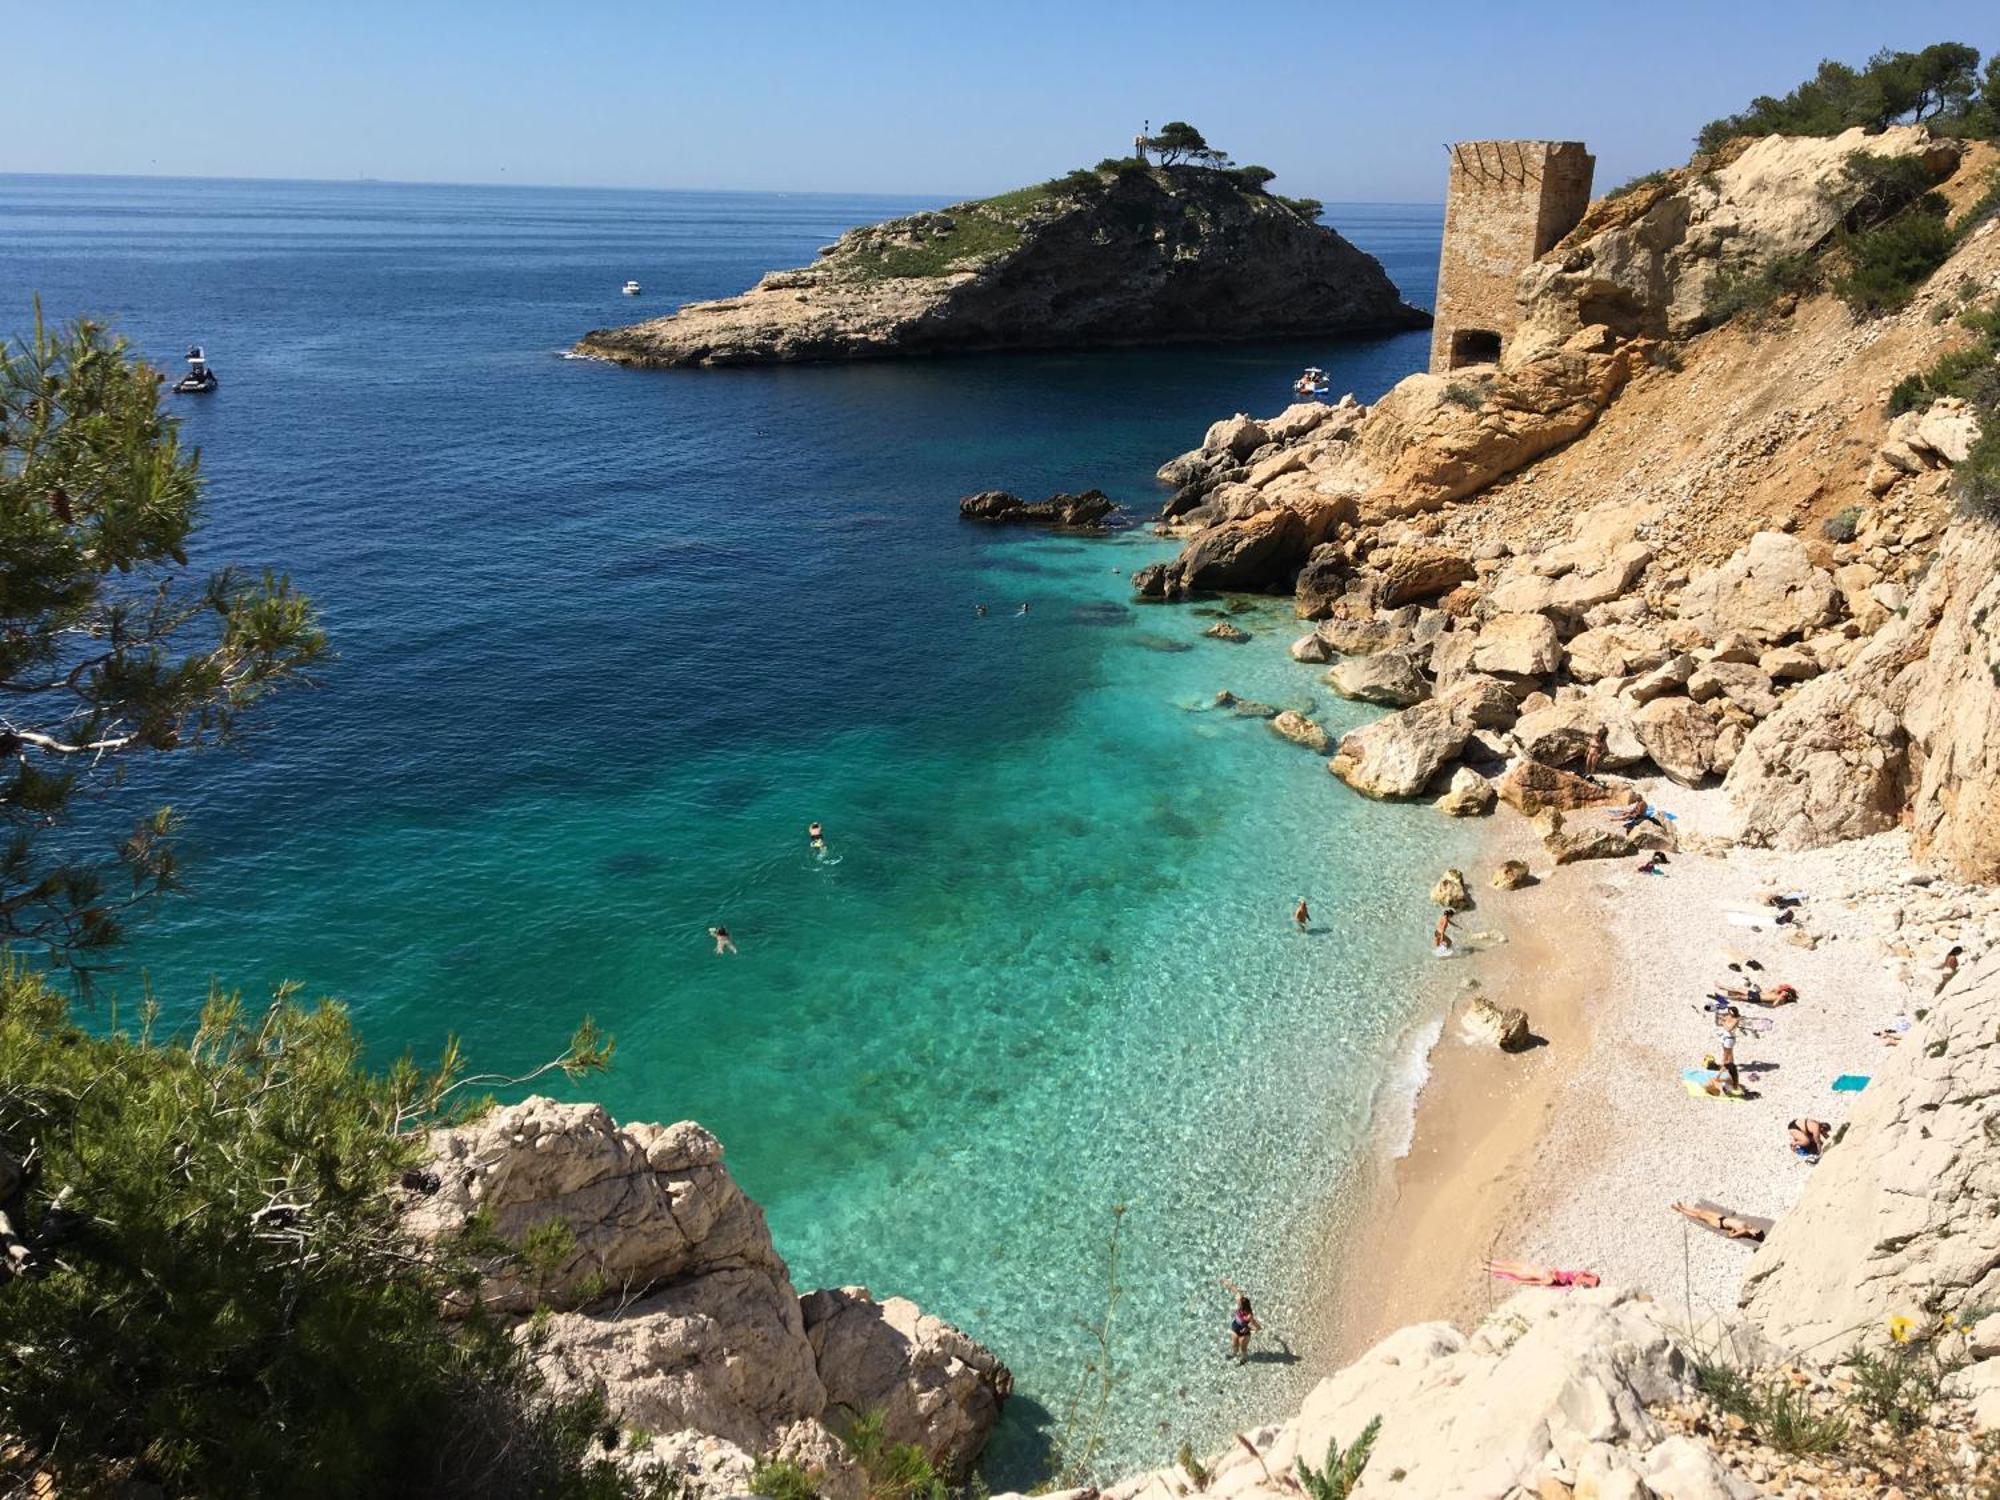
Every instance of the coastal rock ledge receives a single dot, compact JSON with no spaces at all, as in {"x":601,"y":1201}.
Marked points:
{"x":1138,"y":255}
{"x":656,"y":1284}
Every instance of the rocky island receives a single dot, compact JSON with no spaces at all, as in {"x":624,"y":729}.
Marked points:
{"x":1133,"y":252}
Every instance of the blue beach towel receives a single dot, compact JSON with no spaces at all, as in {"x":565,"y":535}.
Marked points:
{"x":1850,"y":1083}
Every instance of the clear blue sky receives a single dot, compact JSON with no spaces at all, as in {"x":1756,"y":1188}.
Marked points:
{"x":1346,"y":101}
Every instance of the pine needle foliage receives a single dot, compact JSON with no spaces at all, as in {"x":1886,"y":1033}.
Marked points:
{"x":113,"y":652}
{"x":203,"y":1280}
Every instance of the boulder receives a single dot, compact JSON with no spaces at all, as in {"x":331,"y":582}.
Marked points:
{"x":1748,"y":687}
{"x":647,"y":1204}
{"x":1243,"y":708}
{"x":1485,"y":1022}
{"x":1088,"y":509}
{"x":1769,"y":591}
{"x":1245,"y":554}
{"x":1297,"y":420}
{"x":718,"y":1354}
{"x":1787,"y":664}
{"x":1222,"y":630}
{"x":1568,"y":843}
{"x":1560,"y":733}
{"x":1390,"y":678}
{"x":1470,"y":795}
{"x":1450,"y":892}
{"x":1410,"y":575}
{"x":934,"y":1386}
{"x":1511,"y":875}
{"x":1359,"y":636}
{"x":1397,"y":755}
{"x":1670,"y":676}
{"x":1239,"y":436}
{"x":1300,"y":730}
{"x":989,"y":505}
{"x":1829,"y":765}
{"x":1310,"y":649}
{"x":1517,"y":646}
{"x":1678,"y":736}
{"x":1530,"y":787}
{"x":1902,"y":1215}
{"x":1613,"y":651}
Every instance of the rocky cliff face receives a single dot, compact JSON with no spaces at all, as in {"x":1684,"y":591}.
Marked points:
{"x":666,"y":1294}
{"x":1180,"y":255}
{"x":1902,"y":1217}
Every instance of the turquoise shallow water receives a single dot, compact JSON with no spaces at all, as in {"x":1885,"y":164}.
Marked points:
{"x":609,"y":640}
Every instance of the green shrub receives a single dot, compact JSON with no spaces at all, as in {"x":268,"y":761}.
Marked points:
{"x":1080,"y":181}
{"x":1253,"y":177}
{"x":1305,"y":208}
{"x":1899,"y":1386}
{"x":781,"y":1479}
{"x":1459,"y":393}
{"x":1978,"y":478}
{"x":1636,"y":184}
{"x":1884,"y":266}
{"x":1844,"y":526}
{"x":1753,"y":293}
{"x":1908,"y":394}
{"x":1783,"y":1416}
{"x":219,"y":1299}
{"x":891,"y":1471}
{"x":1939,"y":85}
{"x":1336,"y":1481}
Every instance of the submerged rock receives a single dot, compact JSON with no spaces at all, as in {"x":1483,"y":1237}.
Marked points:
{"x":1300,"y":730}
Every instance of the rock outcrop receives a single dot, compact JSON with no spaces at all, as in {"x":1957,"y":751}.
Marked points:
{"x":1550,"y":1395}
{"x":1137,"y":256}
{"x":1090,"y":508}
{"x":671,"y":1300}
{"x":1902,"y":1215}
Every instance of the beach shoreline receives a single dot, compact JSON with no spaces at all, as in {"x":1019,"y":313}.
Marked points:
{"x":1572,"y":1152}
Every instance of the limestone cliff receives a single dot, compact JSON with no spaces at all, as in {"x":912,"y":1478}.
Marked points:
{"x":664,"y":1292}
{"x":1136,"y":256}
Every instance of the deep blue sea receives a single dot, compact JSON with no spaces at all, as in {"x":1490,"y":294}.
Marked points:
{"x":608,"y":640}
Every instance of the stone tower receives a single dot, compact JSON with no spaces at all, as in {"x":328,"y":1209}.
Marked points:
{"x":1507,"y":203}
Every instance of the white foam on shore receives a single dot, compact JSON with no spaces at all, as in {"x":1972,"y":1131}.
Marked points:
{"x":1395,"y":1109}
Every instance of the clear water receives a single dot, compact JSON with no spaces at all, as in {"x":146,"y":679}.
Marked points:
{"x":608,"y":641}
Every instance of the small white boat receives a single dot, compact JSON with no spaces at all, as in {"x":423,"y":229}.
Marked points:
{"x":1312,"y":383}
{"x":200,"y":379}
{"x":631,"y":288}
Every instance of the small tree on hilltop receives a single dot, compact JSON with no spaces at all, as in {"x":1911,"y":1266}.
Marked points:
{"x":1179,"y":142}
{"x":110,"y":651}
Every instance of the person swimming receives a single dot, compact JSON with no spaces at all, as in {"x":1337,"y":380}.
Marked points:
{"x":724,"y":943}
{"x":1300,"y":915}
{"x":816,"y":835}
{"x":1024,"y":606}
{"x":979,"y":610}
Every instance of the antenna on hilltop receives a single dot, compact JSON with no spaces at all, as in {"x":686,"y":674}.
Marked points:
{"x":1139,"y":140}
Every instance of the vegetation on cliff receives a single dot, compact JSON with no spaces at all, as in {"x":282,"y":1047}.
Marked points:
{"x":111,"y":653}
{"x":1972,"y":374}
{"x":1940,"y":87}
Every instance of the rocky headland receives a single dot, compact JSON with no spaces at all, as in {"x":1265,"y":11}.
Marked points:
{"x":1130,"y":254}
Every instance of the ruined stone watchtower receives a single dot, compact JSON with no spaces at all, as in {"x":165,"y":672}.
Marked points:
{"x":1508,"y":203}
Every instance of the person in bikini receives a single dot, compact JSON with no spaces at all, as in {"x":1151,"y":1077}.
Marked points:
{"x":724,"y":943}
{"x":1300,"y":915}
{"x":1809,"y":1138}
{"x":1242,"y":1323}
{"x":1527,"y":1275}
{"x":1441,"y":934}
{"x":1733,"y":1225}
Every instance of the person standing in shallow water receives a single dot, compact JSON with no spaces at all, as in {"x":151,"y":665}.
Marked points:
{"x":1242,"y":1323}
{"x":1300,"y":915}
{"x":1441,"y":934}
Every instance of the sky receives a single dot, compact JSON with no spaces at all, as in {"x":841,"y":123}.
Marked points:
{"x":1347,"y":102}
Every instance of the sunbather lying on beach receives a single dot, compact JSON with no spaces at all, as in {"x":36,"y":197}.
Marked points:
{"x":1736,"y":1226}
{"x":1521,"y":1271}
{"x":1653,"y":864}
{"x":1809,"y":1137}
{"x":1892,"y":1034}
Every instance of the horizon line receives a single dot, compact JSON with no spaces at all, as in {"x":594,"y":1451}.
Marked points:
{"x":582,"y":187}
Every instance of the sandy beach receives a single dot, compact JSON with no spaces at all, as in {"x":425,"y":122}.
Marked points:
{"x":1571,"y":1153}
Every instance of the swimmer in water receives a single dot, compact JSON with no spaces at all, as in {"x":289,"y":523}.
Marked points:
{"x":1024,"y":606}
{"x":724,"y":943}
{"x":979,"y":610}
{"x":813,"y":833}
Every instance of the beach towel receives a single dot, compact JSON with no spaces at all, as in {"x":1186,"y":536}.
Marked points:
{"x":1697,"y":1080}
{"x":1850,"y":1083}
{"x":1761,"y":1225}
{"x":1745,"y":918}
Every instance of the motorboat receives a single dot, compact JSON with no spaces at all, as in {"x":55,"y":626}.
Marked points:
{"x":1312,"y":383}
{"x":200,"y":379}
{"x":631,"y":288}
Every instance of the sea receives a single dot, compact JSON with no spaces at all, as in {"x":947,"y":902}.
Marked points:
{"x":1033,"y":1040}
